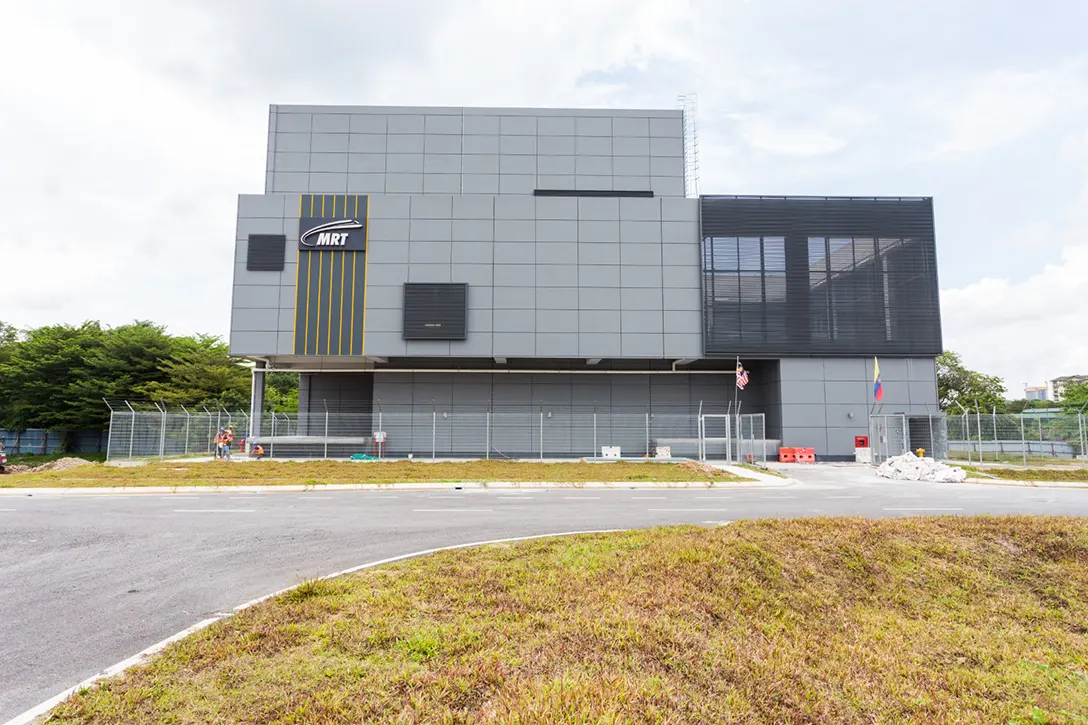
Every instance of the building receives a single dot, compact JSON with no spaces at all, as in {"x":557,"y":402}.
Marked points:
{"x":1056,"y":388}
{"x":435,"y":261}
{"x":1039,"y":392}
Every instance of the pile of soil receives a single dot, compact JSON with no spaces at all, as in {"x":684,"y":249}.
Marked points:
{"x":700,"y":468}
{"x":61,"y":464}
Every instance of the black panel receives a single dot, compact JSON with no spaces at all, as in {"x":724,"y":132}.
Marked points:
{"x":435,"y":311}
{"x":819,"y":276}
{"x":266,"y":252}
{"x":640,"y":194}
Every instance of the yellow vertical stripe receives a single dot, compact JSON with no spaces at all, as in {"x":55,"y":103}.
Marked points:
{"x":366,"y":267}
{"x":306,"y":312}
{"x":340,"y":318}
{"x":334,"y":204}
{"x":294,"y":322}
{"x":312,"y":200}
{"x":328,"y":333}
{"x":322,"y":205}
{"x":317,"y":332}
{"x":351,"y":340}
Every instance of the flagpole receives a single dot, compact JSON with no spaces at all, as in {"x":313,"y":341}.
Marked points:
{"x":736,"y":378}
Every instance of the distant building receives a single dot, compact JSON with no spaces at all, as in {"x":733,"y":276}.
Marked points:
{"x":1038,"y":392}
{"x":1056,"y":388}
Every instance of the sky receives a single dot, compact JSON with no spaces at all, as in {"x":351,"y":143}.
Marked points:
{"x":130,"y":126}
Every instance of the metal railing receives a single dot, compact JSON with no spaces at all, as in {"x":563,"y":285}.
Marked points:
{"x":530,"y":432}
{"x":995,"y":437}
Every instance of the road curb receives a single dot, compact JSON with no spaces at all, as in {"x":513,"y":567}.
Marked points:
{"x":303,"y":488}
{"x":1026,"y":484}
{"x":34,"y":714}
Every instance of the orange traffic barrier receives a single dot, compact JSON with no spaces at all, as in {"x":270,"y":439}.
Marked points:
{"x":787,"y":455}
{"x":806,"y":455}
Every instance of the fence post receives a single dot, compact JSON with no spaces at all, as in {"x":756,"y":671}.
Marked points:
{"x":595,"y":449}
{"x":487,"y":437}
{"x":109,"y":435}
{"x":272,"y":437}
{"x":1023,"y":441}
{"x":326,"y":453}
{"x":434,"y":429}
{"x":131,"y":429}
{"x":187,"y":420}
{"x":381,"y":447}
{"x":162,"y":431}
{"x":542,"y":433}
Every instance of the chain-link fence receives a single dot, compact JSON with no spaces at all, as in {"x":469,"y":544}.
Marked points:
{"x":1034,"y":436}
{"x":509,"y":433}
{"x":147,"y":430}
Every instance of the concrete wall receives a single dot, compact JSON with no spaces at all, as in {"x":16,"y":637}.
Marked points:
{"x":410,"y":150}
{"x":825,"y":402}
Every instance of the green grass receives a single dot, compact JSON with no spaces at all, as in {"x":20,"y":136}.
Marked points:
{"x":1055,"y":475}
{"x":273,"y":473}
{"x":918,"y":620}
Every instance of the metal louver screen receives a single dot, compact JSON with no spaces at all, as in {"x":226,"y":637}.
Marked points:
{"x":819,"y":276}
{"x":435,"y":311}
{"x":266,"y":252}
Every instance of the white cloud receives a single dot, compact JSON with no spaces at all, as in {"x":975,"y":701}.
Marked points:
{"x":1027,"y":332}
{"x":976,"y":113}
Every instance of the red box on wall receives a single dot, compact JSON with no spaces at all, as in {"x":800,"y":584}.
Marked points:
{"x":861,"y":441}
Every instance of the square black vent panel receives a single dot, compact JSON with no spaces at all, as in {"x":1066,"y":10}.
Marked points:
{"x":435,"y":311}
{"x":266,"y":252}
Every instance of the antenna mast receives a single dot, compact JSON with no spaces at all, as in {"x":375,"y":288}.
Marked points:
{"x":689,"y":104}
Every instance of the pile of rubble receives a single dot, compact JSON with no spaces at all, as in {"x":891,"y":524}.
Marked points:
{"x":909,"y":467}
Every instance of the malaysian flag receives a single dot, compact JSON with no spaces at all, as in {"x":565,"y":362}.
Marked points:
{"x":742,"y":376}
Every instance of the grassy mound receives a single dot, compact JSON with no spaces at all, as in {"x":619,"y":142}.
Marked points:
{"x":979,"y":620}
{"x":272,"y":473}
{"x":1056,"y":475}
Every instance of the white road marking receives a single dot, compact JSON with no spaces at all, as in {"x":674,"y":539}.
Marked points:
{"x":699,"y":511}
{"x":648,"y":498}
{"x":213,"y":511}
{"x":456,"y":510}
{"x":7,"y":509}
{"x":582,"y":498}
{"x":775,"y":498}
{"x":718,"y":523}
{"x":922,"y":508}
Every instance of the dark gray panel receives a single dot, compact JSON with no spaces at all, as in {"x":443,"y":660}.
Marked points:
{"x":266,"y":252}
{"x":435,"y":311}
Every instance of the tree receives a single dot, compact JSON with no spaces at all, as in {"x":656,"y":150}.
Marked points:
{"x":281,"y":392}
{"x":956,"y":384}
{"x":1075,"y":397}
{"x":200,"y":371}
{"x":41,"y":380}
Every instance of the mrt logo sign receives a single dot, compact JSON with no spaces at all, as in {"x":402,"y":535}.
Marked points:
{"x":347,"y":235}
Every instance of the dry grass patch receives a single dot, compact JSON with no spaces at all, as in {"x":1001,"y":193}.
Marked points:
{"x":315,"y":473}
{"x":928,"y":620}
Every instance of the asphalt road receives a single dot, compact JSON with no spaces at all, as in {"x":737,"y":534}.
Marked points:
{"x":87,"y":581}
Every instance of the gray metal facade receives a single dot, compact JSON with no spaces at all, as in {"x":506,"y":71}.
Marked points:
{"x":557,"y":280}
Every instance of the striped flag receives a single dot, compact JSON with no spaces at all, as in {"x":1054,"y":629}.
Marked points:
{"x":742,"y":376}
{"x":878,"y":385}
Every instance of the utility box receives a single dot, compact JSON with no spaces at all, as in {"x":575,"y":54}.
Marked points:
{"x":610,"y":452}
{"x":863,"y":455}
{"x":663,"y":452}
